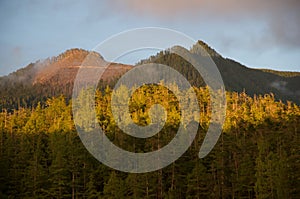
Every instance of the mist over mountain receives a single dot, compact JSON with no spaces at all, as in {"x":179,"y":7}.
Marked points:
{"x":55,"y":76}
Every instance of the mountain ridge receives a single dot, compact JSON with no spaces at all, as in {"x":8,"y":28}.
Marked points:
{"x":55,"y":76}
{"x":236,"y":76}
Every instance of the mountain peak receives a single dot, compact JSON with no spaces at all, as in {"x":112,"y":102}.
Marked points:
{"x":72,"y":58}
{"x":197,"y":50}
{"x":62,"y":69}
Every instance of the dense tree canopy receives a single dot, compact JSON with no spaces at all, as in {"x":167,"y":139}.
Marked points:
{"x":257,"y":155}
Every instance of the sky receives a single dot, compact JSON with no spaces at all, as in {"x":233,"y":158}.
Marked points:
{"x":258,"y":34}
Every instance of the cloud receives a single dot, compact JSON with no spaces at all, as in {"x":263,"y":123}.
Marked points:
{"x":281,"y":86}
{"x":281,"y":17}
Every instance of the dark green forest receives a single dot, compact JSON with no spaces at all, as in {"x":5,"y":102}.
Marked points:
{"x":257,"y":155}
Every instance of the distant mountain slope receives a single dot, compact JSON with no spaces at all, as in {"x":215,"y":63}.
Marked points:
{"x":63,"y":69}
{"x":282,"y":73}
{"x":55,"y":76}
{"x":236,"y":77}
{"x":52,"y":77}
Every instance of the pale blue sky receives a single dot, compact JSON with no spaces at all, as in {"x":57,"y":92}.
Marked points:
{"x":257,"y":35}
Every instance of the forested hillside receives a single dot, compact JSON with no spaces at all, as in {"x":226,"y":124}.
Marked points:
{"x":55,"y":76}
{"x":42,"y":156}
{"x":236,"y":77}
{"x":257,"y":155}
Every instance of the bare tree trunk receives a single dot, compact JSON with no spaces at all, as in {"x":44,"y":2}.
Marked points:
{"x":73,"y":185}
{"x":147,"y":186}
